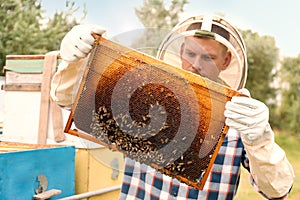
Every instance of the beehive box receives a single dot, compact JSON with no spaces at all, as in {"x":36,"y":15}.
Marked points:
{"x":23,"y":165}
{"x":22,"y":101}
{"x":97,"y":170}
{"x":22,"y":88}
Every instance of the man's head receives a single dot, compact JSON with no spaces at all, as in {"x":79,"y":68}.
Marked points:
{"x":204,"y":56}
{"x":208,"y":46}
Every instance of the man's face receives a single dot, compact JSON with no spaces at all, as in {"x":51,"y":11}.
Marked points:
{"x":204,"y":56}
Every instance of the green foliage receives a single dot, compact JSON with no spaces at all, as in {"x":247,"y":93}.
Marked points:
{"x":290,"y":104}
{"x":24,"y":29}
{"x":263,"y":59}
{"x":154,"y":13}
{"x":158,"y":20}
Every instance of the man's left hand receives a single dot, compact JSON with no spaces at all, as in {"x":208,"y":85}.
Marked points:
{"x":250,"y":117}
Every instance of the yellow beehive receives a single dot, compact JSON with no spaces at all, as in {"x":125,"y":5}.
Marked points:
{"x":97,"y":170}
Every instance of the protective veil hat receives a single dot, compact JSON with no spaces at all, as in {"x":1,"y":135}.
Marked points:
{"x":216,"y":28}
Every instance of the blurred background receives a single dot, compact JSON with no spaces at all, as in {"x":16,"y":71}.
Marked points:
{"x":270,"y":29}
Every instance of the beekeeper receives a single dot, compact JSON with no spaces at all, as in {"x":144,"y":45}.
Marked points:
{"x":213,"y":48}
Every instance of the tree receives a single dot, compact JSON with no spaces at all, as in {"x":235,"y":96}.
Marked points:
{"x":158,"y":20}
{"x":263,"y":59}
{"x":24,"y":29}
{"x":290,"y":104}
{"x":154,"y":13}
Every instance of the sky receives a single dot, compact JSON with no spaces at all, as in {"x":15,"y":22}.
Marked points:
{"x":276,"y":18}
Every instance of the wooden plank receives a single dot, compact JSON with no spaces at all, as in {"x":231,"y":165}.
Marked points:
{"x":24,"y":64}
{"x":20,"y":78}
{"x":17,"y":146}
{"x":57,"y":122}
{"x":49,"y":68}
{"x":30,"y":87}
{"x":48,"y":194}
{"x":24,"y":57}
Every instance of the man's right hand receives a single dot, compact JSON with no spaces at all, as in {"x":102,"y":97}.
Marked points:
{"x":78,"y":42}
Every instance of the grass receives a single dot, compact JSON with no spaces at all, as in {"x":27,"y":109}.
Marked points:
{"x":291,"y":145}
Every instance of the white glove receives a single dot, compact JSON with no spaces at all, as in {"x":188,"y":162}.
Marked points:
{"x":250,"y":117}
{"x":78,"y":42}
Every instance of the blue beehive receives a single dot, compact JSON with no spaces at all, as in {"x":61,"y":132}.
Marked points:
{"x":22,"y":166}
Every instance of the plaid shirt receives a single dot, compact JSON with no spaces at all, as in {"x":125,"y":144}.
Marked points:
{"x":145,"y":183}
